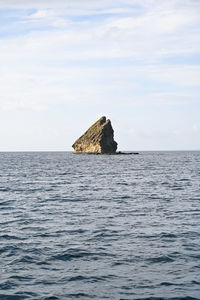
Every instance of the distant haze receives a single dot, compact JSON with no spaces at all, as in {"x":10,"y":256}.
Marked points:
{"x":66,"y":63}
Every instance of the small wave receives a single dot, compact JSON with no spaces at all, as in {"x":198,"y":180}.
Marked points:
{"x":183,"y":298}
{"x":155,"y":197}
{"x":24,"y":259}
{"x":3,"y":189}
{"x":165,"y":183}
{"x":17,"y":296}
{"x":79,"y":295}
{"x":168,"y":235}
{"x":122,"y":183}
{"x":76,"y":254}
{"x":11,"y":237}
{"x":91,"y":278}
{"x":177,"y":188}
{"x":149,"y":236}
{"x":165,"y":283}
{"x":195,"y":256}
{"x":7,"y":285}
{"x":50,"y":298}
{"x":112,"y":235}
{"x":195,"y":198}
{"x":86,"y":278}
{"x":160,"y":259}
{"x":78,"y":278}
{"x":195,"y":282}
{"x":21,"y":278}
{"x":165,"y":298}
{"x":183,"y":179}
{"x":70,"y":256}
{"x":11,"y":250}
{"x":74,"y":231}
{"x":12,"y":297}
{"x":63,"y":174}
{"x":125,"y":197}
{"x":6,"y":203}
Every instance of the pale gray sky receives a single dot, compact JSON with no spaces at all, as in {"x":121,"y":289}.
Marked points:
{"x":63,"y":64}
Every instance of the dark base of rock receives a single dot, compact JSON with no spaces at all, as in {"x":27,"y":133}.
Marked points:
{"x":127,"y":153}
{"x":116,"y":153}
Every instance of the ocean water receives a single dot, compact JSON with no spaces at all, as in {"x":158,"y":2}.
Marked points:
{"x":100,"y":226}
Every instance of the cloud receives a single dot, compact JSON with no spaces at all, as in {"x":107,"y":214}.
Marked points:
{"x":49,"y":17}
{"x":182,"y":76}
{"x":129,"y":59}
{"x":162,"y":22}
{"x":89,"y":7}
{"x":39,"y":88}
{"x":148,"y":33}
{"x":113,"y":57}
{"x":196,"y":128}
{"x":65,"y":3}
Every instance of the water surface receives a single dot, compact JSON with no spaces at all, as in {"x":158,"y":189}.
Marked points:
{"x":100,"y":227}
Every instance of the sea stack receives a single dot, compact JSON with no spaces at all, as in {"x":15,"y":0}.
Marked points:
{"x":97,"y":139}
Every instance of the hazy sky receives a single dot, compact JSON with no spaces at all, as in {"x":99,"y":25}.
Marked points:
{"x":65,"y":63}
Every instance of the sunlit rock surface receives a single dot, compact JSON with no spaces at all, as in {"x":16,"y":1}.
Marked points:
{"x":99,"y":138}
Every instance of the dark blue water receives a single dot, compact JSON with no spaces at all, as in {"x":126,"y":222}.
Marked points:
{"x":100,"y":227}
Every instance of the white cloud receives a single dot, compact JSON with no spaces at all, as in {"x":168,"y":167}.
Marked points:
{"x":42,"y":13}
{"x":157,"y":31}
{"x":49,"y":17}
{"x":91,"y":3}
{"x":39,"y":88}
{"x":196,"y":128}
{"x":183,"y":75}
{"x":155,"y":22}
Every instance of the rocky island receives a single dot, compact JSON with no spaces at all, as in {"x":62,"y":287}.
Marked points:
{"x":98,"y":139}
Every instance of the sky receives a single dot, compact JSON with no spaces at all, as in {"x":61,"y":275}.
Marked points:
{"x":66,"y":63}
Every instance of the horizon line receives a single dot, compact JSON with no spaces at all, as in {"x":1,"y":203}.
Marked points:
{"x":71,"y":151}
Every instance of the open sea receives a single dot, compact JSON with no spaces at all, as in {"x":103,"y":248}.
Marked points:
{"x":99,"y":226}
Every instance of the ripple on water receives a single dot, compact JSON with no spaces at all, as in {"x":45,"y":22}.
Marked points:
{"x":99,"y":227}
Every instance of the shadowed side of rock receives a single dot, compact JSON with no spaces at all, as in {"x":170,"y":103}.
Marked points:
{"x":99,"y":138}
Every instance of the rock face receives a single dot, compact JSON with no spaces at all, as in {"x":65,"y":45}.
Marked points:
{"x":97,"y":139}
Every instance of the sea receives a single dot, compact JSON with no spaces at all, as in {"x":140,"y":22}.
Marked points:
{"x":99,"y":226}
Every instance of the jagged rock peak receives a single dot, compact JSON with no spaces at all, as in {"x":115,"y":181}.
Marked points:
{"x":97,"y":139}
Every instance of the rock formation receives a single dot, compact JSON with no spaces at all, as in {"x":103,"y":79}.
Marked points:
{"x":97,"y":139}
